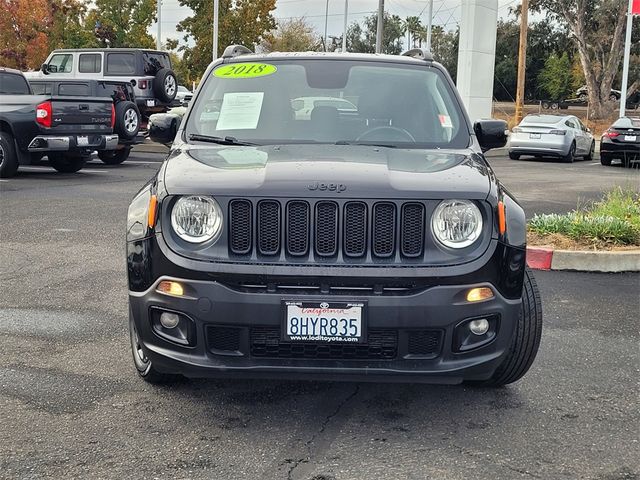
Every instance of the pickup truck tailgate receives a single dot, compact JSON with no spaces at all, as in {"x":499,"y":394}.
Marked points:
{"x":91,"y":114}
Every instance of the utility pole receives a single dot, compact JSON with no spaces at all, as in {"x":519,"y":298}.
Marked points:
{"x":159,"y":15}
{"x":380,"y":26}
{"x":522,"y":60}
{"x":429,"y":24}
{"x":326,"y":24}
{"x":625,"y":62}
{"x":216,"y":7}
{"x":344,"y":30}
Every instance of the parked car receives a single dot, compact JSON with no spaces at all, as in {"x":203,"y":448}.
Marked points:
{"x":560,"y":136}
{"x":149,"y":72}
{"x":183,"y":96}
{"x":582,"y":94}
{"x":64,"y":128}
{"x":127,"y":116}
{"x":375,"y":246}
{"x":621,"y":142}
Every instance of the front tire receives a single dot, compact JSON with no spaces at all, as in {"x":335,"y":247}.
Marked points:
{"x":143,"y":365}
{"x":526,"y":338}
{"x":67,"y":163}
{"x":114,"y":157}
{"x":8,"y":157}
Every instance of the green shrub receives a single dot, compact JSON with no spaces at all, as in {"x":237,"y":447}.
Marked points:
{"x":613,"y":220}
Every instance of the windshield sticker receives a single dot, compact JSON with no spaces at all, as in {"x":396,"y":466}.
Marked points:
{"x":445,"y":121}
{"x":240,"y":111}
{"x":244,"y":70}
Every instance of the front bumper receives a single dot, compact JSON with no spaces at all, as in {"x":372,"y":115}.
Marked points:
{"x":64,"y":143}
{"x":220,"y":305}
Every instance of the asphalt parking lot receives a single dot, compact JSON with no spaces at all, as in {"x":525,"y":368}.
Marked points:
{"x":72,"y":406}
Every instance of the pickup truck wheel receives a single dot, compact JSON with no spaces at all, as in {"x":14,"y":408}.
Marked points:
{"x":8,"y":157}
{"x":127,"y":120}
{"x":67,"y":163}
{"x":165,"y":85}
{"x":526,"y":338}
{"x":143,"y":365}
{"x":114,"y":157}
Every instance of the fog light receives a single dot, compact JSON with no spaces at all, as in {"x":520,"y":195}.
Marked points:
{"x":477,"y":327}
{"x":171,"y":288}
{"x":170,"y":320}
{"x":479,"y":294}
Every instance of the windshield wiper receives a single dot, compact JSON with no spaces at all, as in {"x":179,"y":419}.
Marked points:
{"x":367,"y":144}
{"x":228,"y":140}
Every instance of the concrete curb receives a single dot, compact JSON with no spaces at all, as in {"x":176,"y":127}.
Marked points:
{"x":540,"y":258}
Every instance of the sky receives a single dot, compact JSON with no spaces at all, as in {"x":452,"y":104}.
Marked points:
{"x":445,"y":13}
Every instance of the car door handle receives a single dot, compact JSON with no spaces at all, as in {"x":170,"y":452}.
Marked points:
{"x":83,"y":106}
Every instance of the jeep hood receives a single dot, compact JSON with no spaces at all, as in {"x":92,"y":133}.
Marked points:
{"x":340,"y":171}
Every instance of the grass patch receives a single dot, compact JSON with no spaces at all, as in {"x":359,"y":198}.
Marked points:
{"x":613,"y":221}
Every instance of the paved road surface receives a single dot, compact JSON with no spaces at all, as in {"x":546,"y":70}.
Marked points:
{"x":72,"y":406}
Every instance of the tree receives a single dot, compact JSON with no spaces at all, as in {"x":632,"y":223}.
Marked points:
{"x":67,"y":28}
{"x":23,"y":41}
{"x":597,"y":29}
{"x":363,"y":40}
{"x":555,"y":79}
{"x":122,"y":23}
{"x":444,"y":46}
{"x":243,"y":22}
{"x":293,"y":35}
{"x":413,"y":28}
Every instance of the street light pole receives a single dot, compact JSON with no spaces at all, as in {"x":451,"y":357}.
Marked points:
{"x":344,"y":30}
{"x":326,"y":24}
{"x":380,"y":26}
{"x":429,"y":24}
{"x":216,"y":7}
{"x":625,"y":62}
{"x":159,"y":15}
{"x":522,"y":60}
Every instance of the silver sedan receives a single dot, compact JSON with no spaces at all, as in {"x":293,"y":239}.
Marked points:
{"x":559,"y":136}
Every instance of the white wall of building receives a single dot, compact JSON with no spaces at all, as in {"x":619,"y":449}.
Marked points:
{"x":476,"y":56}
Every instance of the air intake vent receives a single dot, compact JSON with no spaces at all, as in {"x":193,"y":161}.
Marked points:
{"x":412,"y":232}
{"x":384,"y":229}
{"x":240,"y":227}
{"x":355,"y":229}
{"x":326,"y":229}
{"x":297,"y":232}
{"x":269,"y":227}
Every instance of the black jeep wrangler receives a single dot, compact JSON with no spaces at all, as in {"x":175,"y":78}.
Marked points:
{"x":366,"y":240}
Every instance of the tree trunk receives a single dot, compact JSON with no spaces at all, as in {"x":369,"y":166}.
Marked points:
{"x":633,"y":88}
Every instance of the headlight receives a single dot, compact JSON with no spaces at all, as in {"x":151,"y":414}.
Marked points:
{"x":456,"y":223}
{"x":197,"y":219}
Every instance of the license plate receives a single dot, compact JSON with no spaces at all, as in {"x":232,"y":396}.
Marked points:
{"x":630,"y":138}
{"x":324,"y":322}
{"x":151,"y":103}
{"x":534,"y":135}
{"x":82,"y":140}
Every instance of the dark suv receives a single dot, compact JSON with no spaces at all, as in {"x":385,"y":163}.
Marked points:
{"x":364,"y":243}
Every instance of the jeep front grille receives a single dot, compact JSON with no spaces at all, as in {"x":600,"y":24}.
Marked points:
{"x":327,"y":229}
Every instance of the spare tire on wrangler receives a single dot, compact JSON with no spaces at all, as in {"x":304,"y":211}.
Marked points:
{"x":127,"y":120}
{"x":165,"y":85}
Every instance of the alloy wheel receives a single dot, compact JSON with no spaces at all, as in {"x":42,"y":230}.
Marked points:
{"x":170,"y":85}
{"x":130,"y":120}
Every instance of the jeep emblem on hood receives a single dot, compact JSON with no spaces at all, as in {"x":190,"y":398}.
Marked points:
{"x":332,"y":187}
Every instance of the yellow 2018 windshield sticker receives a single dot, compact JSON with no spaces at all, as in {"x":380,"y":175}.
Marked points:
{"x":245,"y":70}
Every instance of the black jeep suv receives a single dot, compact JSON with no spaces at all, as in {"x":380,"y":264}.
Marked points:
{"x":366,"y":240}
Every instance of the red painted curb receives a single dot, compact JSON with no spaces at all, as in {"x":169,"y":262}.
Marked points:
{"x":539,"y":258}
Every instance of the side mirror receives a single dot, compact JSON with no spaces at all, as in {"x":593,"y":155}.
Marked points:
{"x":45,"y":69}
{"x":163,"y":127}
{"x":491,"y":133}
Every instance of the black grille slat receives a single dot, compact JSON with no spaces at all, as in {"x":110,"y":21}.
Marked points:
{"x":269,"y":226}
{"x":326,"y":229}
{"x":223,"y":338}
{"x":412,"y":230}
{"x":297,"y":233}
{"x":240,"y":226}
{"x":382,"y":344}
{"x":355,"y":229}
{"x":424,"y":342}
{"x":384,"y":229}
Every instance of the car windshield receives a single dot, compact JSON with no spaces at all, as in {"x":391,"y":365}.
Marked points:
{"x":627,"y":122}
{"x":330,"y":101}
{"x":545,"y":119}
